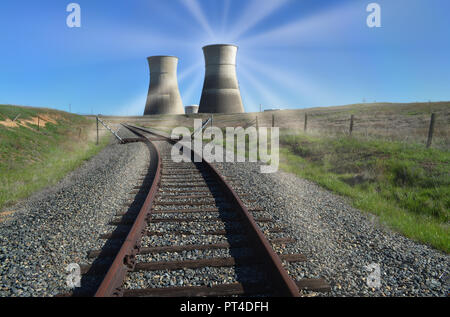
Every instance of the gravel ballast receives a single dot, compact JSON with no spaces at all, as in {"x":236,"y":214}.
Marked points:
{"x":339,"y":240}
{"x":59,"y":225}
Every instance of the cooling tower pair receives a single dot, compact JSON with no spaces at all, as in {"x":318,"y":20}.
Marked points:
{"x":220,"y":90}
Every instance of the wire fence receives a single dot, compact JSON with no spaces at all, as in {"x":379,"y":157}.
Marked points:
{"x":429,"y":129}
{"x":411,"y":123}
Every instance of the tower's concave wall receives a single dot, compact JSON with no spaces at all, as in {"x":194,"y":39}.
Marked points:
{"x":163,"y":93}
{"x":221,"y":92}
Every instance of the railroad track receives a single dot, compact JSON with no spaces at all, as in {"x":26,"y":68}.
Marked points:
{"x":191,"y":220}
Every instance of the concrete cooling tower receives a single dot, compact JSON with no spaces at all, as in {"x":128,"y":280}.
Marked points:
{"x":221,"y":88}
{"x":163,"y":94}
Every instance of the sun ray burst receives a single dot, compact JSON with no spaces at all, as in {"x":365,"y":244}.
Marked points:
{"x":328,"y":27}
{"x":195,"y":9}
{"x":256,"y":11}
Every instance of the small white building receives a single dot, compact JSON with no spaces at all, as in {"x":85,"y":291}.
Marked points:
{"x":191,"y":109}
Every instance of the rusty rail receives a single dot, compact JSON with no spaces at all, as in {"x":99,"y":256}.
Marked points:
{"x":125,"y":259}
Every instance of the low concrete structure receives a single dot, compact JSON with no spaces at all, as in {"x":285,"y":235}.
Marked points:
{"x":163,"y":94}
{"x":191,"y":109}
{"x":221,"y":92}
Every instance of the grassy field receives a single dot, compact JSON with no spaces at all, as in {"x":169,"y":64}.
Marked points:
{"x":405,"y":122}
{"x":31,"y":159}
{"x":406,"y":185}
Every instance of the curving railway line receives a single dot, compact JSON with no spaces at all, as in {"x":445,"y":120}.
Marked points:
{"x":186,"y":200}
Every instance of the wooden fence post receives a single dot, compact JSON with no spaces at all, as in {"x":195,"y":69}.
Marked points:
{"x":431,"y":130}
{"x":38,"y":122}
{"x":257,"y":123}
{"x":97,"y":130}
{"x":273,"y":121}
{"x":352,"y":118}
{"x":306,"y":122}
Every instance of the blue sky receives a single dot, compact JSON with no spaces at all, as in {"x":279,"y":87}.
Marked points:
{"x":292,"y":53}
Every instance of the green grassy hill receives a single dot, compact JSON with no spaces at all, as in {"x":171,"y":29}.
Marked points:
{"x":38,"y":147}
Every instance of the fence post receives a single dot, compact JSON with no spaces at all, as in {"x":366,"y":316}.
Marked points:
{"x":273,"y":121}
{"x":257,"y":124}
{"x":352,"y":118}
{"x":306,"y":121}
{"x":97,"y":129}
{"x":431,"y":130}
{"x":38,"y":122}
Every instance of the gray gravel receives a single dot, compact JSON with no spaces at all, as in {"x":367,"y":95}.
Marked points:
{"x":207,"y":276}
{"x":340,"y":241}
{"x":176,"y":240}
{"x":194,"y":255}
{"x":59,"y":225}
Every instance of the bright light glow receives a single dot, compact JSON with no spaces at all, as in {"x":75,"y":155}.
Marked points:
{"x":195,"y":9}
{"x":255,"y":12}
{"x":189,"y":93}
{"x":127,"y":42}
{"x":328,"y":27}
{"x":297,"y":84}
{"x":266,"y":94}
{"x":188,"y":71}
{"x":226,"y":10}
